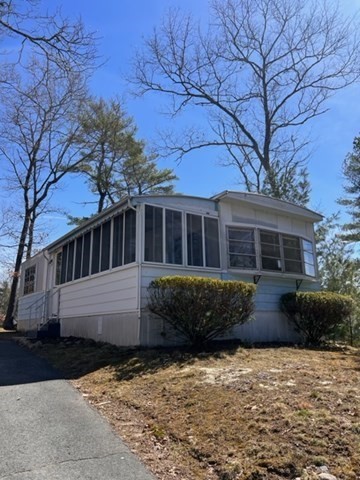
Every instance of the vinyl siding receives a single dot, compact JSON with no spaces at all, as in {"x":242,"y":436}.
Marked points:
{"x":106,"y":293}
{"x":30,"y":310}
{"x":148,"y":273}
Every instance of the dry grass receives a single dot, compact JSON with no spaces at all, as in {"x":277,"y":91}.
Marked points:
{"x":233,"y":413}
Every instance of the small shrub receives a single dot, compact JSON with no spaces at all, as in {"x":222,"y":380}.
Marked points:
{"x":201,"y":309}
{"x":316,"y":315}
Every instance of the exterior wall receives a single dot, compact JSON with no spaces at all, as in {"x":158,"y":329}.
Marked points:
{"x":268,"y":325}
{"x":103,"y":307}
{"x":120,"y":329}
{"x":30,"y":311}
{"x":41,"y":262}
{"x":153,"y":330}
{"x":110,"y":292}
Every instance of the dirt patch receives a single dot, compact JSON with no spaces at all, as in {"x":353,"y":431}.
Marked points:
{"x":266,"y":413}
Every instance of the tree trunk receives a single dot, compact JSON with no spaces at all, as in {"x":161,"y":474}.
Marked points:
{"x":30,"y":236}
{"x":9,"y":319}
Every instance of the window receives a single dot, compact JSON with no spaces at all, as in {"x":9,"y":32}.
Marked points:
{"x":278,"y":252}
{"x":85,"y":269}
{"x":173,"y":237}
{"x":212,"y":251}
{"x":63,"y":264}
{"x":130,"y":236}
{"x":29,"y":280}
{"x":270,"y":251}
{"x":117,"y":259}
{"x":153,"y":234}
{"x":292,"y":254}
{"x":309,"y":260}
{"x":95,"y":255}
{"x":91,"y":253}
{"x":164,"y":238}
{"x":70,"y":261}
{"x":58,"y":268}
{"x":194,"y":240}
{"x":241,"y":244}
{"x":105,"y":245}
{"x":78,"y":256}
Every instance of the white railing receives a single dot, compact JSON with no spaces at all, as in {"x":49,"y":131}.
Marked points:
{"x":39,"y":310}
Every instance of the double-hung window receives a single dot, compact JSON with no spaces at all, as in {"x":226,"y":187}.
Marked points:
{"x":29,"y":280}
{"x":241,"y":245}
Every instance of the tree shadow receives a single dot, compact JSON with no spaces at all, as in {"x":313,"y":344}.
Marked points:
{"x":76,"y":357}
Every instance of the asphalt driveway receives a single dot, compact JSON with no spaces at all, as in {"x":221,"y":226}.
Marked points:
{"x":48,"y":431}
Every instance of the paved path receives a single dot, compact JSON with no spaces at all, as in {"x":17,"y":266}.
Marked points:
{"x":47,"y":430}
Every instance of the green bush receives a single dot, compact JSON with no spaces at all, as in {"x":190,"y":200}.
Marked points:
{"x":201,"y":309}
{"x":316,"y":315}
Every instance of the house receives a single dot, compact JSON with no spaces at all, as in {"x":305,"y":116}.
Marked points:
{"x":94,"y":279}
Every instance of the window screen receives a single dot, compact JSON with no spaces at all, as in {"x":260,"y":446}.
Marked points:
{"x":130,"y":236}
{"x":212,"y":252}
{"x":95,"y":256}
{"x":153,"y":234}
{"x":194,"y":240}
{"x":173,"y":237}
{"x":117,"y":259}
{"x":105,"y":245}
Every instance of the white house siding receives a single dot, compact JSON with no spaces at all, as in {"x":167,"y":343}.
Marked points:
{"x":120,"y":329}
{"x":106,"y":293}
{"x":103,"y":307}
{"x":153,"y":330}
{"x":30,"y":311}
{"x":269,"y":323}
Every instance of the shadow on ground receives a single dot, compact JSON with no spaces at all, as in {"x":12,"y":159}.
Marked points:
{"x":19,"y":366}
{"x":76,"y":357}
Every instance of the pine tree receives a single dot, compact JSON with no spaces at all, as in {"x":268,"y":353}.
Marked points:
{"x":351,"y":171}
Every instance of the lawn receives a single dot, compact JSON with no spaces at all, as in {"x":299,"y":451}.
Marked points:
{"x":230,"y":413}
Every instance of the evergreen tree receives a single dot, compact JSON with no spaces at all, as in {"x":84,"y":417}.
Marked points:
{"x":116,"y":164}
{"x":351,"y":171}
{"x":339,"y":269}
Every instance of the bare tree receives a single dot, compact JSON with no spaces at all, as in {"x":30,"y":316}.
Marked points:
{"x":260,"y":72}
{"x":37,"y":134}
{"x":61,"y":40}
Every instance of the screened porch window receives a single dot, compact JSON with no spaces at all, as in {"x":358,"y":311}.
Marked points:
{"x":90,"y":253}
{"x":194,"y":240}
{"x":164,"y":239}
{"x":163,"y":235}
{"x":202,"y":241}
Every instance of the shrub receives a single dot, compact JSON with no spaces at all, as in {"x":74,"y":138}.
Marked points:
{"x":316,"y":315}
{"x":201,"y":309}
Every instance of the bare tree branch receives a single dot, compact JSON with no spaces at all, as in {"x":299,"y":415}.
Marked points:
{"x":262,"y":70}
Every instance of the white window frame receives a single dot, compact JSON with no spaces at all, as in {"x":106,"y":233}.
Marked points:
{"x":258,"y":253}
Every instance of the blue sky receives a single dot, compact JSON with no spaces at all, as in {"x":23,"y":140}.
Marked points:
{"x":121,"y":26}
